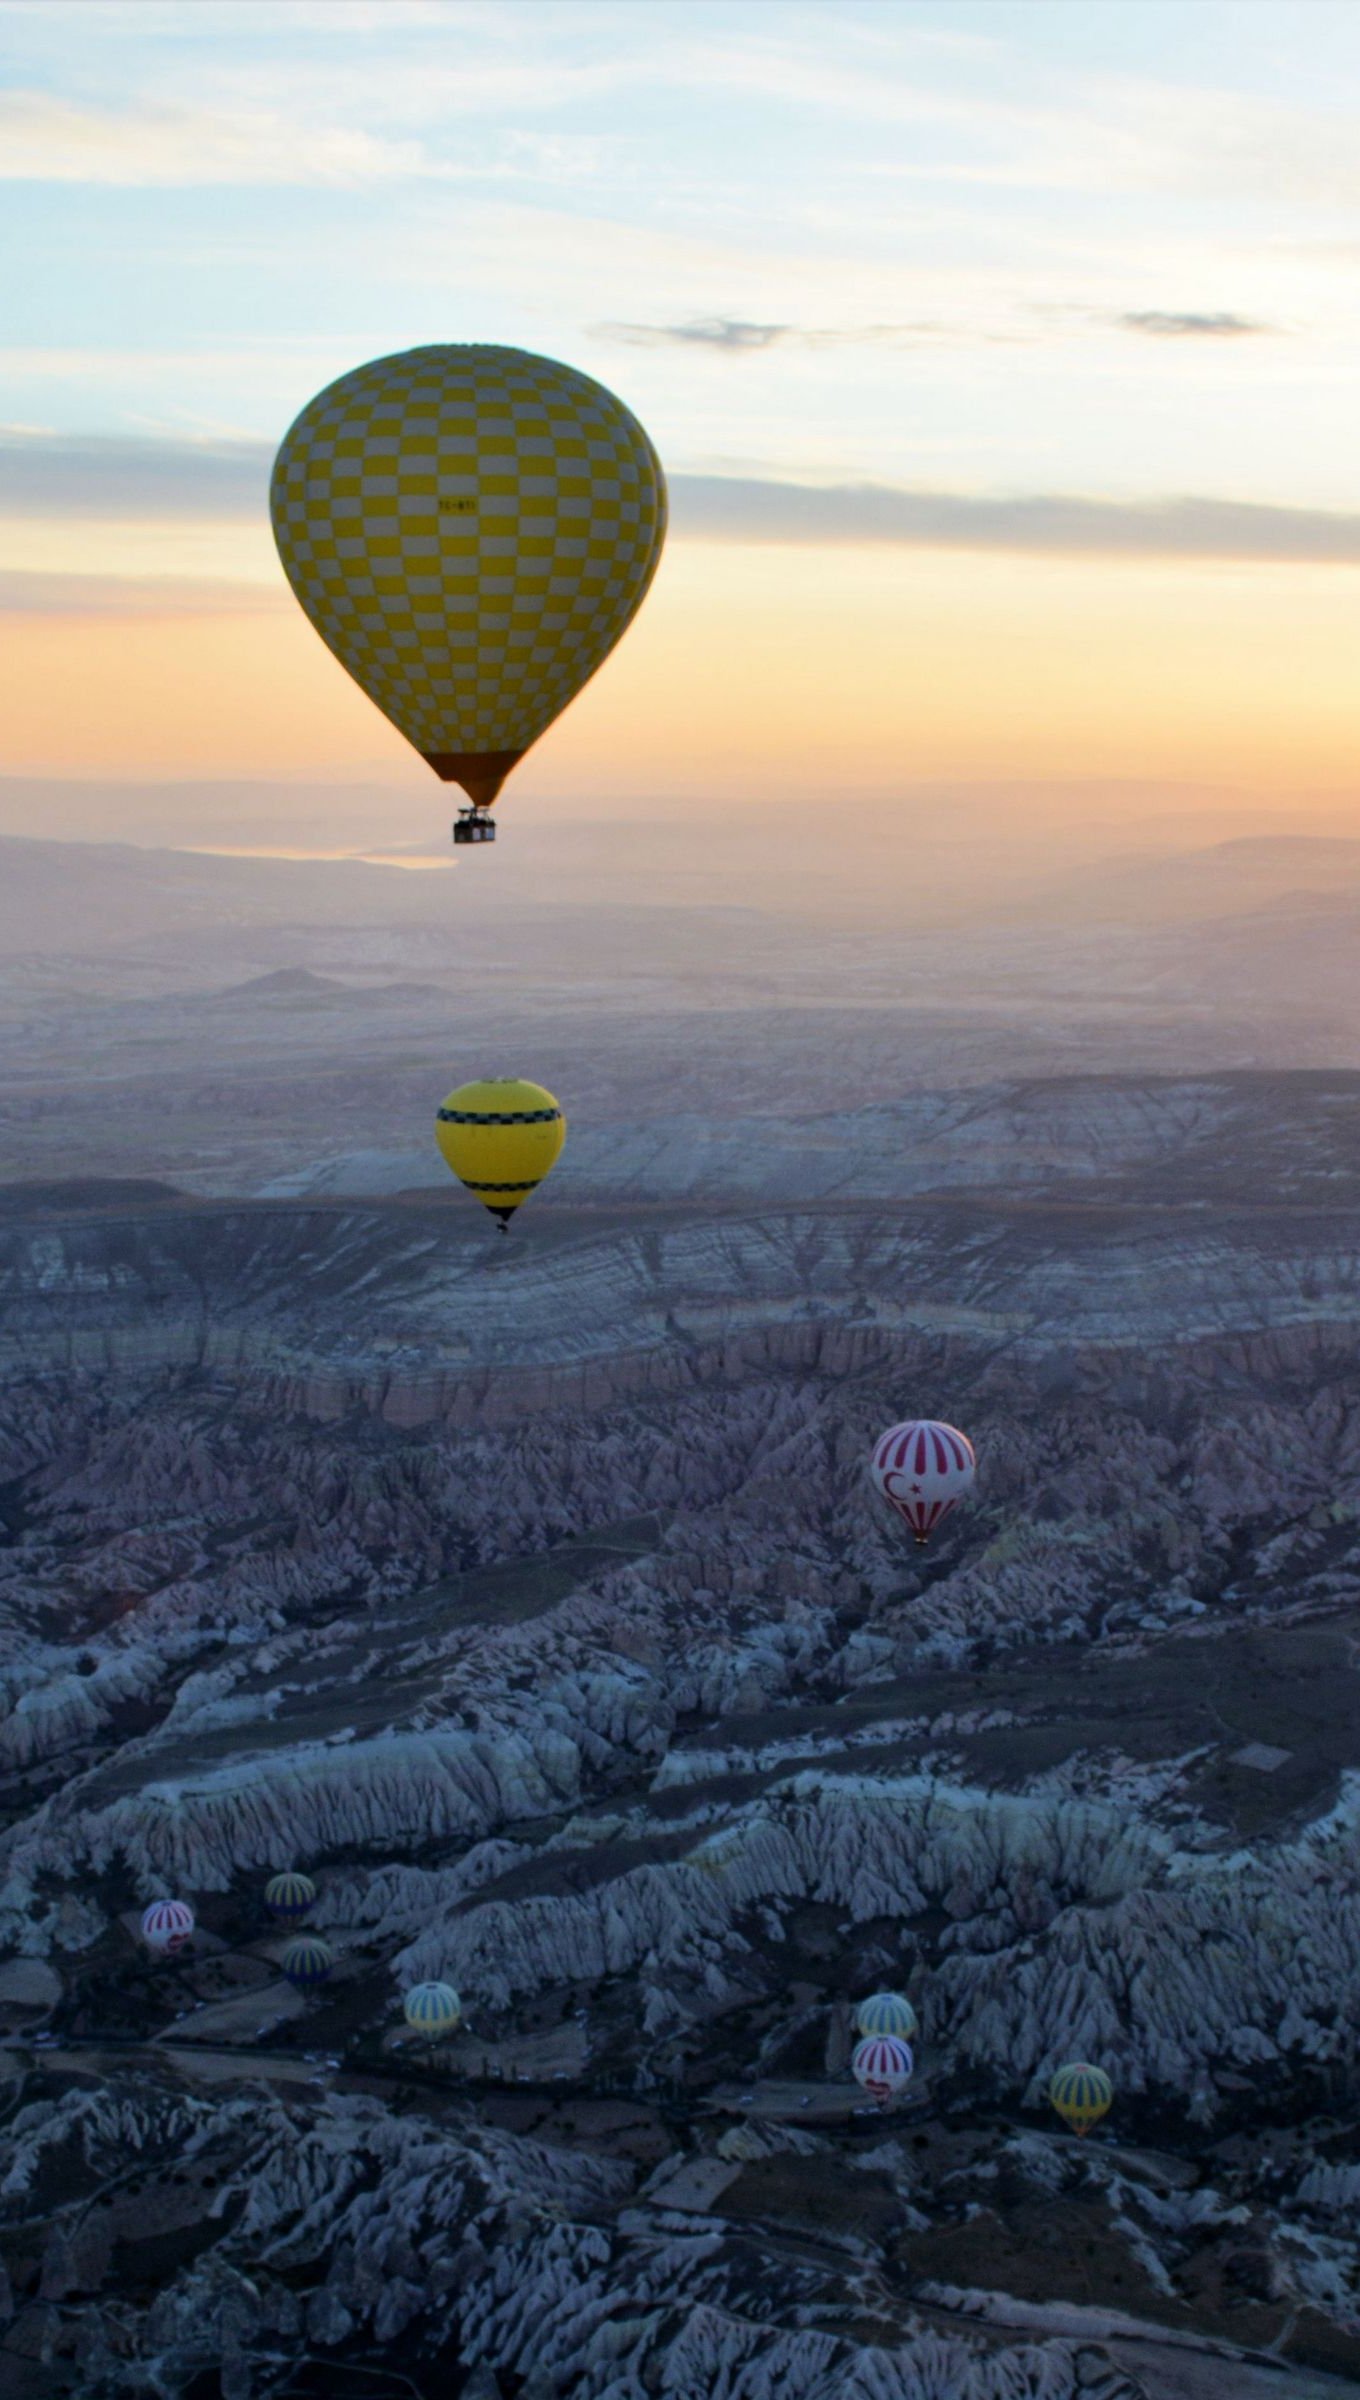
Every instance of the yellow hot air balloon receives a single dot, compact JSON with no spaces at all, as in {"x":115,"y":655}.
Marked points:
{"x":886,"y":2012}
{"x":289,"y":1895}
{"x":501,"y":1136}
{"x":432,"y":2009}
{"x":470,"y":530}
{"x":1081,"y":2095}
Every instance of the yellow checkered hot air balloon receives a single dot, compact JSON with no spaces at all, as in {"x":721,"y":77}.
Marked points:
{"x":1081,"y":2095}
{"x":470,"y":530}
{"x":500,"y":1137}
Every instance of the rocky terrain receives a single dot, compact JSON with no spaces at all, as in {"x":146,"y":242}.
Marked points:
{"x":530,"y":1596}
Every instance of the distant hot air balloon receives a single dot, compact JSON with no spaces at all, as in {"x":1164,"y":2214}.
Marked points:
{"x":1081,"y":2095}
{"x":882,"y":2066}
{"x":471,"y":530}
{"x":886,"y":2012}
{"x":306,"y":1961}
{"x":432,"y":2009}
{"x":500,"y":1137}
{"x":923,"y":1469}
{"x":715,"y":1857}
{"x":289,"y":1896}
{"x":166,"y":1926}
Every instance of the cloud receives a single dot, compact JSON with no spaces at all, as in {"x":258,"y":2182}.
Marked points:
{"x":714,"y":333}
{"x":282,"y":97}
{"x":728,"y":508}
{"x":1190,"y":324}
{"x":141,"y":479}
{"x":24,"y":594}
{"x":48,"y":140}
{"x":124,"y":476}
{"x":742,"y":334}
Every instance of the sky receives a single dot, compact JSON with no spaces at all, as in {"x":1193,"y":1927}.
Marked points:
{"x":1003,"y":361}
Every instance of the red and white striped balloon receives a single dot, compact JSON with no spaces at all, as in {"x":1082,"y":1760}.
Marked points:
{"x":167,"y":1926}
{"x":882,"y":2066}
{"x":923,"y":1470}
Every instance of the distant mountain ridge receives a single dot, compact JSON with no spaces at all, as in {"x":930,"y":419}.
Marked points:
{"x":1226,"y":878}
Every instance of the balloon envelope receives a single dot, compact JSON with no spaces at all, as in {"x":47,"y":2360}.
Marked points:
{"x":289,"y":1896}
{"x":882,"y":2065}
{"x":923,"y":1470}
{"x":500,"y":1137}
{"x":470,"y":529}
{"x":432,"y":2008}
{"x":307,"y":1960}
{"x":886,"y":2012}
{"x":1081,"y":2095}
{"x":167,"y":1926}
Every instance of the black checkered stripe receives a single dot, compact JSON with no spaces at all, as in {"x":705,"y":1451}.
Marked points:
{"x":500,"y":1187}
{"x":520,"y":1116}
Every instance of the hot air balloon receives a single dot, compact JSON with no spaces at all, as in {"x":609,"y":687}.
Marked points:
{"x":882,"y":2066}
{"x":500,"y":1137}
{"x":432,"y":2009}
{"x":886,"y":2012}
{"x":289,"y":1896}
{"x":923,"y":1469}
{"x":1081,"y":2095}
{"x":307,"y":1961}
{"x":166,"y":1926}
{"x":470,"y":530}
{"x":715,"y":1857}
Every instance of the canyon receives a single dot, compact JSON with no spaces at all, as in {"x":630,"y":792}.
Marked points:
{"x":530,"y":1594}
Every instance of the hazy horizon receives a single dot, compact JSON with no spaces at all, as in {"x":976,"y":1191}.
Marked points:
{"x":974,"y":843}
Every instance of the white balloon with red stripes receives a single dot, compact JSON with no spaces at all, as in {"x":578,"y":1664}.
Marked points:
{"x":923,"y":1469}
{"x":166,"y":1926}
{"x":882,"y":2066}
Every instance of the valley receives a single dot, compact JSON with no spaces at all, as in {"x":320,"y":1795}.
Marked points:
{"x":530,"y":1595}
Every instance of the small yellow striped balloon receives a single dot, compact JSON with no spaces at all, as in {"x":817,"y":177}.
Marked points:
{"x":470,"y":530}
{"x":500,"y":1137}
{"x":1081,"y":2095}
{"x":886,"y":2012}
{"x":289,"y":1895}
{"x":307,"y":1960}
{"x":432,"y":2009}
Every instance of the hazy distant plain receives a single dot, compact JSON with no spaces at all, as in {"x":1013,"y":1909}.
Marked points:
{"x":244,"y":1024}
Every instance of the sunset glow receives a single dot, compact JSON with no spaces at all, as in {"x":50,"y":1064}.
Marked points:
{"x":776,"y":233}
{"x":757,"y":670}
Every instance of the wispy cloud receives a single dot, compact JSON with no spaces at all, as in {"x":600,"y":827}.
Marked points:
{"x":48,"y":140}
{"x":121,"y":476}
{"x":55,"y":477}
{"x":1173,"y":324}
{"x":254,"y":103}
{"x":37,"y":595}
{"x":712,"y":333}
{"x":1046,"y":321}
{"x":728,"y":508}
{"x":742,"y":334}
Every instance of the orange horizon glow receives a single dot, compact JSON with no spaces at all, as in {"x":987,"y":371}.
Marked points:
{"x":754,"y":670}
